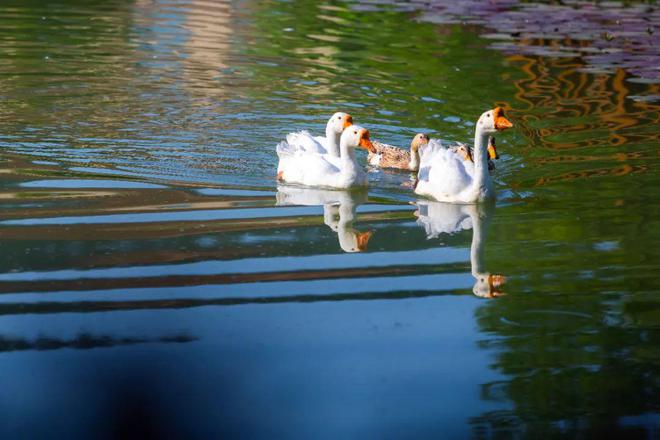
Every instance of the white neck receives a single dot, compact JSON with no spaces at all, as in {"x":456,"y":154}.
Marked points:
{"x":333,"y":140}
{"x":482,"y":181}
{"x":349,"y":165}
{"x":414,"y":160}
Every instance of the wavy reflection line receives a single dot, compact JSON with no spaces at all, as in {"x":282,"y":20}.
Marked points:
{"x":118,"y":306}
{"x":182,"y":216}
{"x":586,"y":174}
{"x":619,"y":117}
{"x":273,"y":289}
{"x":250,"y":265}
{"x":110,"y":231}
{"x":602,"y":98}
{"x":182,"y":281}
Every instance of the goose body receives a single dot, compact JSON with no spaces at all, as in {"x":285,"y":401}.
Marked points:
{"x":447,"y":177}
{"x":301,"y":166}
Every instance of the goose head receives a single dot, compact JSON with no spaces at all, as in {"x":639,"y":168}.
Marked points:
{"x":493,"y":121}
{"x":419,"y":140}
{"x":355,"y":136}
{"x":338,"y":122}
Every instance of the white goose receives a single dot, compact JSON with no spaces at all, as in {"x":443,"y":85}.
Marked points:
{"x":338,"y":212}
{"x":445,"y":176}
{"x":446,"y":218}
{"x":318,"y":144}
{"x":302,"y":167}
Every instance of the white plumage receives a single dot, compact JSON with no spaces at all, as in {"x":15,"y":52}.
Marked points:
{"x":299,"y":165}
{"x":447,"y":177}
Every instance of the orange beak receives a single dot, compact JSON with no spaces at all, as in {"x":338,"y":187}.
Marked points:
{"x":501,"y":123}
{"x":363,"y":239}
{"x":347,"y":122}
{"x":365,"y":142}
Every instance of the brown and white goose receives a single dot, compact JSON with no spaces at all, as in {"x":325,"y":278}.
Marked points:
{"x":388,"y":156}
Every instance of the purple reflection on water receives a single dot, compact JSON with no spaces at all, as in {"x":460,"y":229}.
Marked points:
{"x":618,"y":35}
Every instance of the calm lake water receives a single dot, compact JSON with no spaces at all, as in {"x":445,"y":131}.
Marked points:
{"x":155,"y":281}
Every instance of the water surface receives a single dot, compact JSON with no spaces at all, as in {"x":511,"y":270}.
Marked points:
{"x":154,"y":280}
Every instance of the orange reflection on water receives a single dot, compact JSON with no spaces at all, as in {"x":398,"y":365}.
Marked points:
{"x":586,"y":109}
{"x":598,"y":117}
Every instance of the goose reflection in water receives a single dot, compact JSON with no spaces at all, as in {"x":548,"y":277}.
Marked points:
{"x":446,"y":218}
{"x":338,"y":212}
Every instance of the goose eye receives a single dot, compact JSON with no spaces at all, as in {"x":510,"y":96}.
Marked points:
{"x":488,"y":115}
{"x":338,"y":117}
{"x":355,"y":132}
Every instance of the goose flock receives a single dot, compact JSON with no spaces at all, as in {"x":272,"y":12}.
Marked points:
{"x":455,"y":174}
{"x":314,"y":168}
